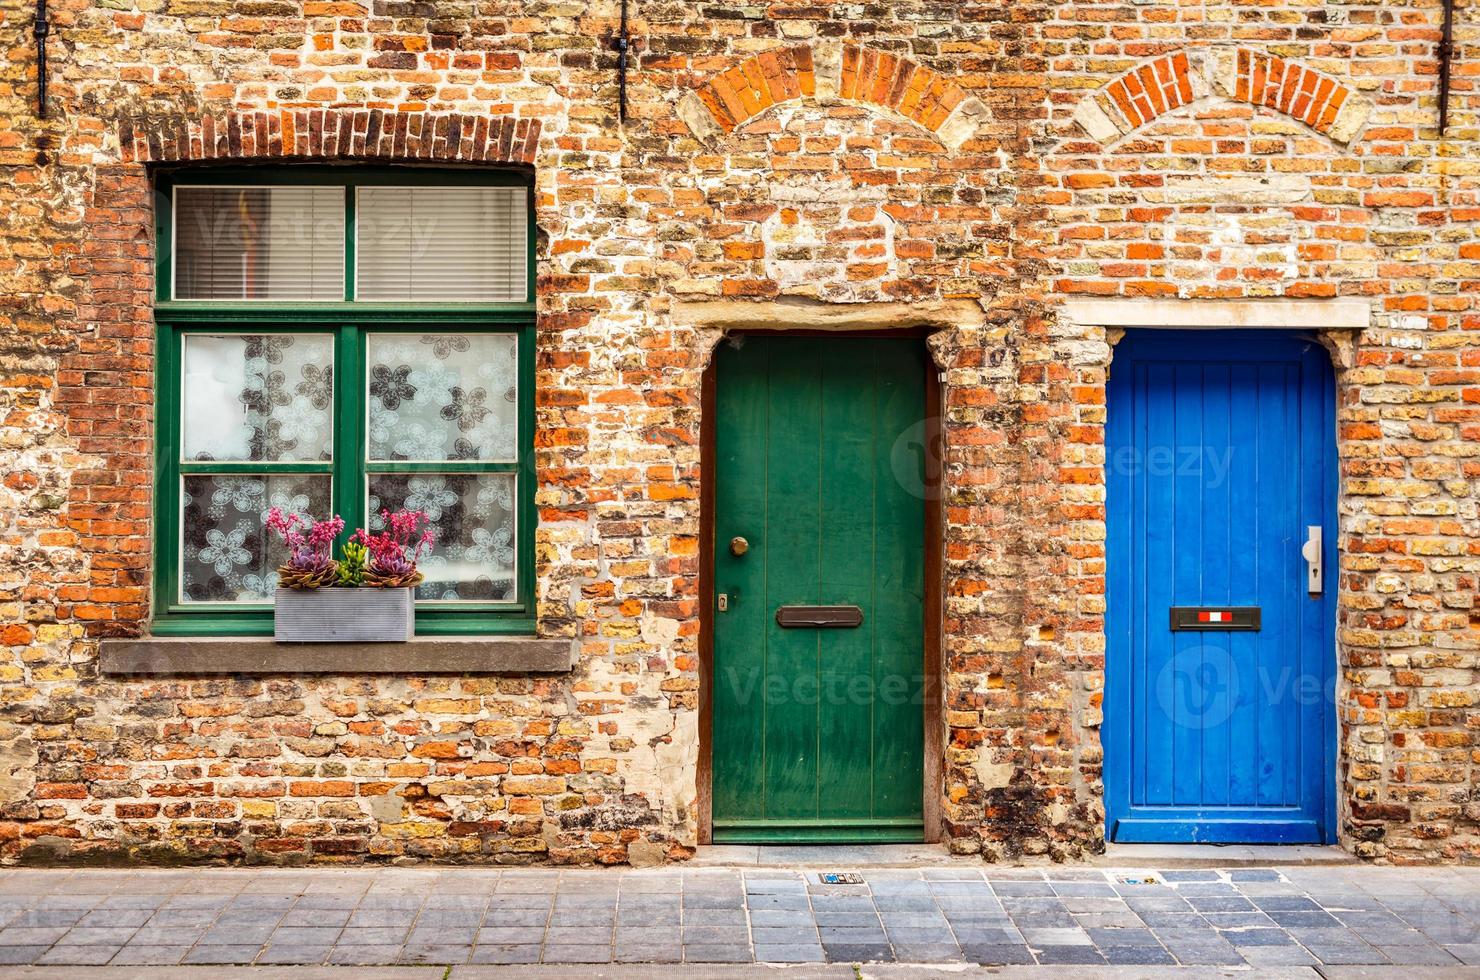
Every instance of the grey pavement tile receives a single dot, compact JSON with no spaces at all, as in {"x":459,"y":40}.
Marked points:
{"x":517,"y":917}
{"x":1003,"y":954}
{"x":1203,"y":953}
{"x":1307,"y":920}
{"x":758,"y":902}
{"x":506,"y":954}
{"x":364,"y":918}
{"x":1269,"y":956}
{"x":183,"y":917}
{"x":236,"y":935}
{"x":1394,"y":937}
{"x":933,"y":952}
{"x":772,"y":935}
{"x":1056,"y":937}
{"x":80,"y":936}
{"x":844,"y":920}
{"x":1221,"y":903}
{"x":18,"y":955}
{"x":114,"y":918}
{"x":577,"y":936}
{"x":443,"y":936}
{"x":988,"y":937}
{"x":1286,"y":903}
{"x":223,"y":955}
{"x":438,"y":954}
{"x":1174,"y":920}
{"x":1022,"y":888}
{"x":286,"y":954}
{"x":383,"y":936}
{"x":1417,"y":955}
{"x":504,"y":935}
{"x":917,"y":935}
{"x":1189,"y":874}
{"x":1253,"y":874}
{"x":132,"y":955}
{"x":1239,"y":920}
{"x":789,"y":953}
{"x":259,"y":901}
{"x":1083,"y":889}
{"x":32,"y":935}
{"x":852,"y":937}
{"x":1466,"y":953}
{"x":573,"y":953}
{"x":304,"y":936}
{"x":648,"y":953}
{"x":364,"y":955}
{"x":46,"y":918}
{"x":1137,"y":956}
{"x":577,"y":918}
{"x":777,"y":918}
{"x":1045,"y":920}
{"x":1068,"y":955}
{"x":1109,"y":920}
{"x":1122,"y":937}
{"x":1257,"y":937}
{"x":1348,"y":955}
{"x":152,"y":935}
{"x":78,"y":955}
{"x":858,"y":952}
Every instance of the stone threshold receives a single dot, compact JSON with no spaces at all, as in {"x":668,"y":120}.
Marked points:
{"x":168,"y":656}
{"x":1120,"y":856}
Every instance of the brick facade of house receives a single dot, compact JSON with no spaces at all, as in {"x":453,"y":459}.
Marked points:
{"x":992,"y":158}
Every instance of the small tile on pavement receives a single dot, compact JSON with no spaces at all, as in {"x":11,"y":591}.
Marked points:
{"x":507,"y":953}
{"x":78,"y":955}
{"x":582,"y":953}
{"x":649,"y":953}
{"x":132,"y":955}
{"x":1066,"y":955}
{"x":292,"y":955}
{"x":364,"y":955}
{"x":222,"y":955}
{"x":858,"y":952}
{"x":788,"y":953}
{"x":1137,"y":956}
{"x":18,"y":955}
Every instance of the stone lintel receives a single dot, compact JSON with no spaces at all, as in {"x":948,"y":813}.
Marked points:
{"x":210,"y":655}
{"x":1222,"y":314}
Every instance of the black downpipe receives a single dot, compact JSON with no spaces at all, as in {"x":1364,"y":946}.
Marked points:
{"x":40,"y":31}
{"x":623,"y":46}
{"x":1446,"y":57}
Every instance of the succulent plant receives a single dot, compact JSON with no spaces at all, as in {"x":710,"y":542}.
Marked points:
{"x":310,"y":563}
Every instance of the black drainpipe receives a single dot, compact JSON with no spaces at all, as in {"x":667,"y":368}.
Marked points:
{"x":41,"y":29}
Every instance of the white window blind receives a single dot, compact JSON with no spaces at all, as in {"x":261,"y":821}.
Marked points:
{"x":439,"y":244}
{"x":259,"y":243}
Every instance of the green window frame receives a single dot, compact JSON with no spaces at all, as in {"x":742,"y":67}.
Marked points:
{"x":349,"y":323}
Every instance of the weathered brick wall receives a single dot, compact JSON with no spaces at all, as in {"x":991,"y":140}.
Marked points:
{"x":849,"y":153}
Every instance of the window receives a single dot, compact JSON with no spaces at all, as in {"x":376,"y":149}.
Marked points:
{"x":336,"y":340}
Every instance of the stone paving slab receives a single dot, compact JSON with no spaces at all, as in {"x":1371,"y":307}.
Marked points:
{"x":1076,"y":918}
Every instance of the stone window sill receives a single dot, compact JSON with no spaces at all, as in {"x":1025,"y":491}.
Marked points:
{"x":224,"y":655}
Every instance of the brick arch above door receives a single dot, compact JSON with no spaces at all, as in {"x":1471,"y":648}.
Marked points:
{"x":336,"y":134}
{"x":847,"y":72}
{"x":1142,"y":94}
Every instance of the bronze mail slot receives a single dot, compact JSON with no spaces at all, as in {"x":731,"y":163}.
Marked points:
{"x":818,"y":617}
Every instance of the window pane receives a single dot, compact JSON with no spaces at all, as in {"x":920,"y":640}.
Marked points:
{"x":473,"y":557}
{"x":227,"y":554}
{"x":257,"y":397}
{"x":259,"y":243}
{"x":443,"y":396}
{"x":440,"y":244}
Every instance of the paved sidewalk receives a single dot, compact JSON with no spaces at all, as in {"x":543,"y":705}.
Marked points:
{"x":1298,"y":917}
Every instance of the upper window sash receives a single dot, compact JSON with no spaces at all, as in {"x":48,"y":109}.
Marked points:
{"x":328,"y":237}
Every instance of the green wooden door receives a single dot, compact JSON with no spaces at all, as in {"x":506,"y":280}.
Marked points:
{"x":818,"y":734}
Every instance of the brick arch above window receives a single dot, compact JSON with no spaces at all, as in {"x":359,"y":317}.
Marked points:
{"x":1171,"y":81}
{"x":338,"y":134}
{"x":833,"y":71}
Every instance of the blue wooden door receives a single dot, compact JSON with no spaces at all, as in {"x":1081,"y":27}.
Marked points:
{"x":1220,"y":460}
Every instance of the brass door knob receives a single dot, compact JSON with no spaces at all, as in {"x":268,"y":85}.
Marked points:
{"x":739,"y":546}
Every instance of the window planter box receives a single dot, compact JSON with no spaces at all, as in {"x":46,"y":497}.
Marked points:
{"x":344,"y":615}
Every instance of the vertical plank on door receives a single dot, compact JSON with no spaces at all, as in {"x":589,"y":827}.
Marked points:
{"x":739,"y":668}
{"x":898,"y":580}
{"x":793,"y":515}
{"x":845,"y":535}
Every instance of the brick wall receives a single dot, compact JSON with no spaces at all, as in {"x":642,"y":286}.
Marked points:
{"x":1009,"y":155}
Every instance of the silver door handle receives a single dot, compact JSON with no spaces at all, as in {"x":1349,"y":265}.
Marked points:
{"x":1311,"y":552}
